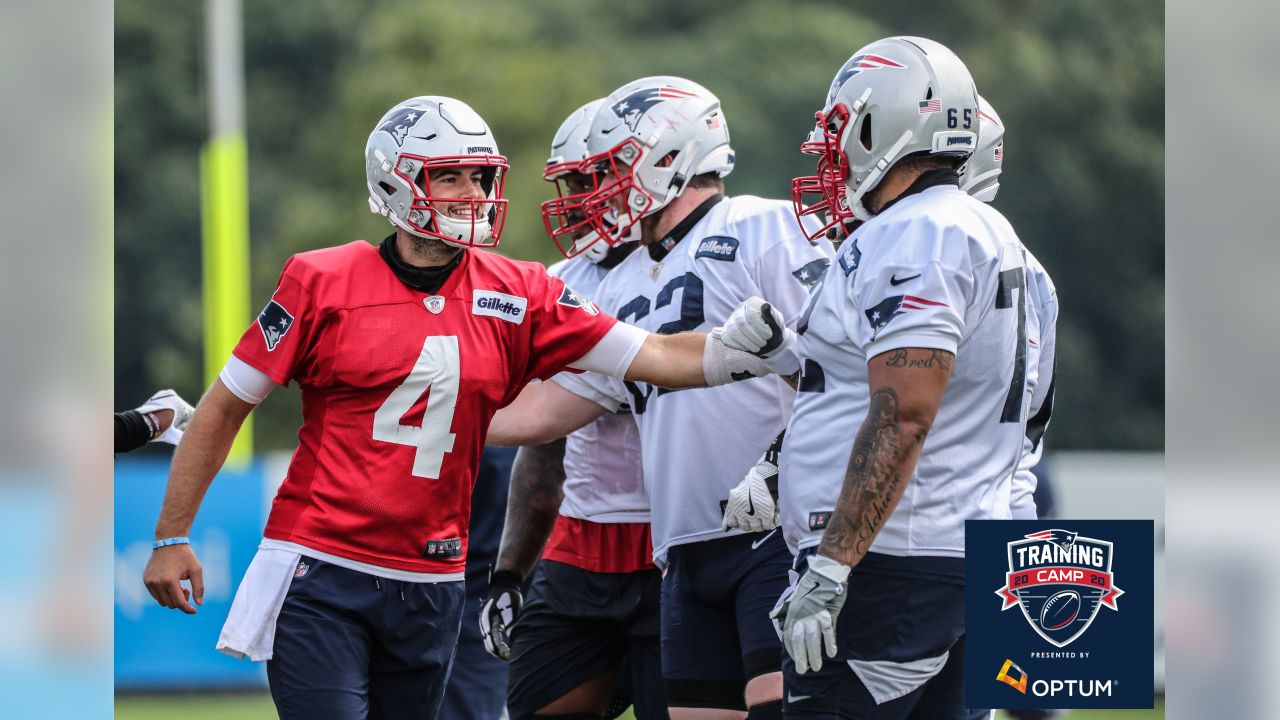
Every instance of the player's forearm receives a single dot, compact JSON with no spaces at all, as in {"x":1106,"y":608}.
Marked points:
{"x":670,"y":361}
{"x":198,"y":458}
{"x":883,"y":459}
{"x":533,"y":502}
{"x":909,"y":385}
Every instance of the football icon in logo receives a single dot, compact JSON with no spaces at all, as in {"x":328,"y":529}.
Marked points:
{"x":1060,"y":610}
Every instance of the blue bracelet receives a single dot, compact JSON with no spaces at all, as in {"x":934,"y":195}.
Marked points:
{"x":170,"y":541}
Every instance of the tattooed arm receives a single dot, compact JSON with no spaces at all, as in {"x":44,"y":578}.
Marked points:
{"x":906,"y":390}
{"x":537,"y":479}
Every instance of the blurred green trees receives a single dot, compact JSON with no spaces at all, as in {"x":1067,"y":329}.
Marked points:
{"x":1080,"y":86}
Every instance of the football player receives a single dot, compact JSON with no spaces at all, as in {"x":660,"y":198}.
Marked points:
{"x":586,"y":643}
{"x":661,"y":145}
{"x":980,"y":177}
{"x":923,"y":328}
{"x":402,"y":352}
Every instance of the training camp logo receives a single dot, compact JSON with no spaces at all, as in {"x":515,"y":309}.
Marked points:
{"x":633,"y":107}
{"x":1060,"y":580}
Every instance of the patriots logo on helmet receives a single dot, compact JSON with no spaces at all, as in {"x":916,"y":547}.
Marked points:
{"x":633,"y":107}
{"x":893,"y":306}
{"x":858,"y":63}
{"x":399,"y":124}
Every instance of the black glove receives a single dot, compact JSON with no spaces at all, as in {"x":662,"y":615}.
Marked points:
{"x":501,"y":608}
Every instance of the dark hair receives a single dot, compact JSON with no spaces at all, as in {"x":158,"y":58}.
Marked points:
{"x":705,"y":180}
{"x":923,"y":162}
{"x":920,"y":162}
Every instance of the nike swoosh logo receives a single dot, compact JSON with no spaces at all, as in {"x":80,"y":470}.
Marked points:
{"x":806,"y":593}
{"x":760,"y":542}
{"x":895,"y":281}
{"x":797,"y":698}
{"x":751,"y":506}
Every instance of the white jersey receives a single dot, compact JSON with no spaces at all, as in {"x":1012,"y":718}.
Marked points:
{"x":1041,"y":352}
{"x":698,"y":444}
{"x":603,"y":482}
{"x":940,"y":270}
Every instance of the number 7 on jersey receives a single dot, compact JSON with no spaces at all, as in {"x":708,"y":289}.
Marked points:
{"x":438,"y":370}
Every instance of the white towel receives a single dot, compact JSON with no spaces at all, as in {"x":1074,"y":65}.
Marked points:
{"x":250,"y":630}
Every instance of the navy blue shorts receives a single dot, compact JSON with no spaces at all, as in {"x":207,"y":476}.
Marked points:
{"x":716,"y":632}
{"x":899,"y":610}
{"x":349,"y":645}
{"x":477,"y":688}
{"x":577,"y":624}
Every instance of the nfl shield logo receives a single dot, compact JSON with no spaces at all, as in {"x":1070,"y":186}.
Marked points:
{"x":1060,"y":580}
{"x":434,"y":303}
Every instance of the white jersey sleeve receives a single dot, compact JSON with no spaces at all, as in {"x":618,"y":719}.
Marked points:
{"x":804,"y":263}
{"x":917,"y":292}
{"x":603,"y":478}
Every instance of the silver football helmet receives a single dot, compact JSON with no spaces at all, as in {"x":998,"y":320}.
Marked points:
{"x":564,"y":216}
{"x":896,"y":97}
{"x":429,"y":133}
{"x":980,"y":176}
{"x":650,"y":137}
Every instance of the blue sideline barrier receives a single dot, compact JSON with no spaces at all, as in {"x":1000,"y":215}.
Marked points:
{"x":157,"y":648}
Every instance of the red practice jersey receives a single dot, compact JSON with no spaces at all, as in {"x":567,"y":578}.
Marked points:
{"x":398,"y":389}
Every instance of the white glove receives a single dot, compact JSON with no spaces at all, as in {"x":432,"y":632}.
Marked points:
{"x":758,"y":328}
{"x":182,"y":410}
{"x":751,"y":505}
{"x":810,"y":613}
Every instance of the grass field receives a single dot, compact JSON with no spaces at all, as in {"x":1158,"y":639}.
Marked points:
{"x":258,"y":707}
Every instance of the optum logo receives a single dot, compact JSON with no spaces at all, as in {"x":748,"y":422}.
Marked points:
{"x":1071,"y":688}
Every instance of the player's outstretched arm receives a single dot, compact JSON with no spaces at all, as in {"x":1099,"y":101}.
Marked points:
{"x":693,"y":359}
{"x":533,"y":502}
{"x":199,"y":456}
{"x":542,"y":412}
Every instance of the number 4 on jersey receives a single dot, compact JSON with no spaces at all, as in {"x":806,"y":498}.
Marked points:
{"x":437,"y":370}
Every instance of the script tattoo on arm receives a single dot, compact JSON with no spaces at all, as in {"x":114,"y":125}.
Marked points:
{"x":907,"y":387}
{"x":533,"y":502}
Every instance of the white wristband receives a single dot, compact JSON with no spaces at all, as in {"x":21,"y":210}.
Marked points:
{"x":722,"y":364}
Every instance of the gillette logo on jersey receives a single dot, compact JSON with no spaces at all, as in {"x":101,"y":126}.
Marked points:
{"x":718,"y":248}
{"x":499,"y":305}
{"x":1060,"y":575}
{"x":1060,"y":579}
